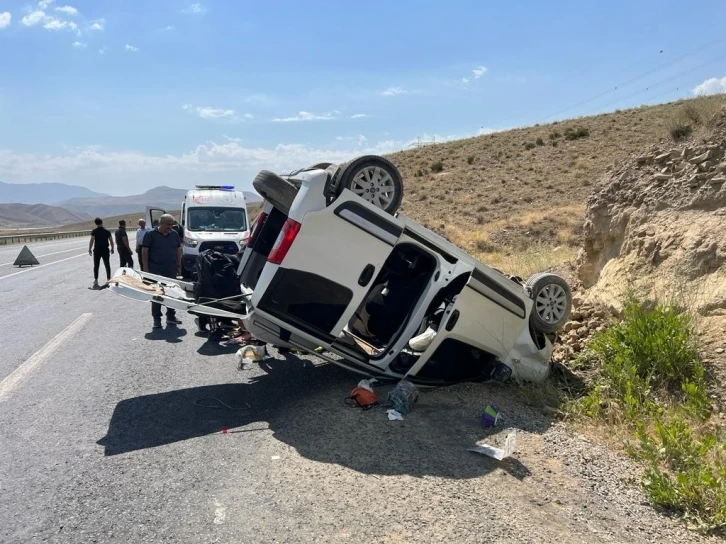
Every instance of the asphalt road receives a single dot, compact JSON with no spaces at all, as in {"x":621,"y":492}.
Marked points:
{"x":102,"y":439}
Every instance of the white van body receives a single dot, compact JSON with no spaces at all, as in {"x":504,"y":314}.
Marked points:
{"x":212,"y":217}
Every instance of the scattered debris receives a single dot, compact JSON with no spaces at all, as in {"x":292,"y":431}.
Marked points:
{"x":497,"y":453}
{"x":363,"y":397}
{"x":394,"y":415}
{"x":402,"y":397}
{"x":490,"y":416}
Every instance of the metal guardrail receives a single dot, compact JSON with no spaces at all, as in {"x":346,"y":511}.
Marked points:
{"x":19,"y":238}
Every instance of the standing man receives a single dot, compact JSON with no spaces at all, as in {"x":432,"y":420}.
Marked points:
{"x":100,"y":238}
{"x":140,"y":232}
{"x":161,"y":253}
{"x":125,"y":255}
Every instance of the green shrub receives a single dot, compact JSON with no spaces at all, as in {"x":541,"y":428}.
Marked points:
{"x":646,"y":357}
{"x":576,"y":134}
{"x":419,"y":173}
{"x":686,"y":471}
{"x":437,"y":167}
{"x":679,"y":129}
{"x":554,"y":135}
{"x":470,"y":159}
{"x":651,"y":378}
{"x":539,"y":141}
{"x":529,"y":145}
{"x":554,"y":143}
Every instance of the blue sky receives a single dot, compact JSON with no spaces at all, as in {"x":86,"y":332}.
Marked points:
{"x":124,"y":96}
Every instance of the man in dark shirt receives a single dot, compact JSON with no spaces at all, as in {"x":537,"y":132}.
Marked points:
{"x":100,"y":239}
{"x":161,"y":253}
{"x":125,"y":255}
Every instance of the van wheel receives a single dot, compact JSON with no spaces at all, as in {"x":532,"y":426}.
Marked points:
{"x":374,"y":179}
{"x":277,"y":191}
{"x":552,"y":302}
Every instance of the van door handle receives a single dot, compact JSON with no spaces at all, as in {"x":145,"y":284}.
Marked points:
{"x":366,"y":275}
{"x":451,"y":323}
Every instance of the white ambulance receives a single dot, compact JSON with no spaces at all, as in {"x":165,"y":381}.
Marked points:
{"x":212,"y":217}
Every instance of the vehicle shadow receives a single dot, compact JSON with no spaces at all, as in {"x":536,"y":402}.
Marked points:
{"x":303,"y":406}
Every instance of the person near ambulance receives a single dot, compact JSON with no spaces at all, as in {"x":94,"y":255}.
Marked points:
{"x":161,"y":254}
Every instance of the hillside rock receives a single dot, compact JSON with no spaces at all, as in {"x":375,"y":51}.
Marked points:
{"x":660,"y":230}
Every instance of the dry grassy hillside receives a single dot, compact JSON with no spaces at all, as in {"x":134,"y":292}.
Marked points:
{"x":516,"y":199}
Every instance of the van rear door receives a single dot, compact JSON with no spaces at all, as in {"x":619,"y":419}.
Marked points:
{"x":330,"y":263}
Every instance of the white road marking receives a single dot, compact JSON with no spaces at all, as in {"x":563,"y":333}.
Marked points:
{"x":47,"y":255}
{"x":220,"y":512}
{"x":20,"y":374}
{"x":41,"y":266}
{"x":10,"y":249}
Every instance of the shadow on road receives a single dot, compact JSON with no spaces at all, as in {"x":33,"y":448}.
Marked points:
{"x":303,"y":406}
{"x":171,"y":334}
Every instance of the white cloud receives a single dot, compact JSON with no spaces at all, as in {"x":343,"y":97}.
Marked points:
{"x":465,"y":80}
{"x":102,"y":51}
{"x":713,"y":85}
{"x":98,"y":24}
{"x":43,"y":4}
{"x":249,"y":116}
{"x":131,"y":48}
{"x":5,"y":18}
{"x":80,"y":45}
{"x":486,"y":130}
{"x":56,"y":24}
{"x":68,"y":10}
{"x":362,"y":140}
{"x":207,"y":112}
{"x":479,"y":71}
{"x":147,"y":170}
{"x":33,"y":18}
{"x":168,"y":28}
{"x":394,"y":91}
{"x":359,"y":116}
{"x":307,"y":116}
{"x":196,"y":9}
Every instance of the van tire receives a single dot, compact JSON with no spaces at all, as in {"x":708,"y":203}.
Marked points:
{"x":552,"y":302}
{"x":277,"y":191}
{"x":347,"y":178}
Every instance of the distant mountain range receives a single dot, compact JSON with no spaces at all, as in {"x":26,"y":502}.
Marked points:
{"x":82,"y":203}
{"x":37,"y":215}
{"x":51,"y":194}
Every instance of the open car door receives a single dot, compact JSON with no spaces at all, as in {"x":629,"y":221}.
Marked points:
{"x":153,"y":215}
{"x":327,"y":265}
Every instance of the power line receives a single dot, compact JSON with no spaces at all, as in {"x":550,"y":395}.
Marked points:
{"x":639,"y":77}
{"x":649,"y":87}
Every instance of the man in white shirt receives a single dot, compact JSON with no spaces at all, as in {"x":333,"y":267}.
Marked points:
{"x":140,"y":232}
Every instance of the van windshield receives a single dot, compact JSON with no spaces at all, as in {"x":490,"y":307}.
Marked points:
{"x":217,"y":219}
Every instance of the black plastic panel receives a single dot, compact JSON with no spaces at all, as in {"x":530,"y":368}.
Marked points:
{"x":305,"y":300}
